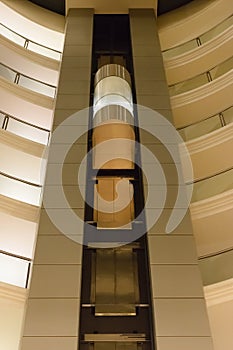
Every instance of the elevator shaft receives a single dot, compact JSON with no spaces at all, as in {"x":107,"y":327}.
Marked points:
{"x":115,"y":301}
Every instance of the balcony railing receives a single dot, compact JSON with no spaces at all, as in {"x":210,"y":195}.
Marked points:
{"x":216,"y":267}
{"x":201,"y":79}
{"x":14,"y":269}
{"x":29,"y":44}
{"x":24,"y":129}
{"x":20,"y":190}
{"x":26,"y":81}
{"x":213,"y":185}
{"x":208,"y":125}
{"x":202,"y":39}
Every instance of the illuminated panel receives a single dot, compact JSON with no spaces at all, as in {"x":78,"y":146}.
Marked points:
{"x":13,"y":270}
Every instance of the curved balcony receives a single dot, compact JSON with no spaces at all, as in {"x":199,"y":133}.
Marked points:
{"x":29,"y":63}
{"x":217,"y":268}
{"x":213,"y":186}
{"x":28,"y":106}
{"x":174,"y":27}
{"x":211,"y":153}
{"x":212,"y":224}
{"x":203,"y":102}
{"x":200,"y":59}
{"x":202,"y":79}
{"x":188,"y":47}
{"x":17,"y":250}
{"x":20,"y":190}
{"x":219,"y":300}
{"x":24,"y":129}
{"x":208,"y":125}
{"x":42,"y":28}
{"x":219,"y":293}
{"x":28,"y":44}
{"x":16,"y":269}
{"x":14,"y":243}
{"x":212,"y":213}
{"x":21,"y":162}
{"x":27,"y":82}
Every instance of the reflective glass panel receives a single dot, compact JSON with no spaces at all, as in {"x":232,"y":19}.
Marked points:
{"x":44,"y":51}
{"x":213,"y":186}
{"x":28,"y":131}
{"x":228,"y":115}
{"x":199,"y":129}
{"x":7,"y":33}
{"x":112,"y":85}
{"x":217,"y":30}
{"x":113,"y":100}
{"x":7,"y":73}
{"x":179,"y":50}
{"x":37,"y":86}
{"x":188,"y":85}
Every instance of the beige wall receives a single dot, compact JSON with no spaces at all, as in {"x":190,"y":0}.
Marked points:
{"x":180,"y":315}
{"x":220,"y":310}
{"x":52,"y":318}
{"x":12,"y":306}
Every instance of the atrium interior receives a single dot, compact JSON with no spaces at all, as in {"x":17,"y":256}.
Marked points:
{"x":116,"y":190}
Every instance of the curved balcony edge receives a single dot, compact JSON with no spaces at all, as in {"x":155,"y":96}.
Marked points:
{"x":13,"y":293}
{"x":194,"y":102}
{"x":195,"y":62}
{"x":29,"y":95}
{"x":19,"y":209}
{"x":212,"y":205}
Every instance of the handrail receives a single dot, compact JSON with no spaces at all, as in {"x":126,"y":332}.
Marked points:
{"x":206,"y":74}
{"x":211,"y":186}
{"x":209,"y":176}
{"x":27,"y":76}
{"x":26,"y":260}
{"x":23,"y":122}
{"x":211,"y":255}
{"x":222,"y":261}
{"x":17,"y":80}
{"x":15,"y":256}
{"x":5,"y":126}
{"x":20,"y":180}
{"x":27,"y":41}
{"x":220,"y":114}
{"x":197,"y":39}
{"x":33,"y":187}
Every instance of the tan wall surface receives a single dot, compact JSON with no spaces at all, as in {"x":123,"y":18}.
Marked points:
{"x":180,"y":316}
{"x":52,"y":316}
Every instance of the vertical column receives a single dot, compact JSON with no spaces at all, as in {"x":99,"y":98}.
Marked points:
{"x":52,"y":316}
{"x":180,"y":316}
